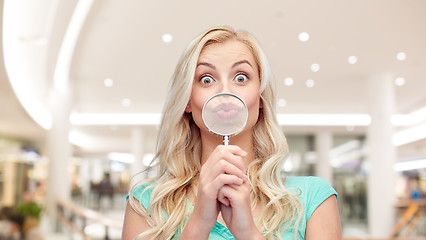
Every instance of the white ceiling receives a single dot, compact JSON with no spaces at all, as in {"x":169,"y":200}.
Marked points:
{"x":123,"y":41}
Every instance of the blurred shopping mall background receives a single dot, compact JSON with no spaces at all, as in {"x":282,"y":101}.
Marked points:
{"x":82,"y":84}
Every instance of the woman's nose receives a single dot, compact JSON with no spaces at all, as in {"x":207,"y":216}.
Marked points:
{"x":225,"y":87}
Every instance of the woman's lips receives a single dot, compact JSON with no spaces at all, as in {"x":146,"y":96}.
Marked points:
{"x":227,"y":111}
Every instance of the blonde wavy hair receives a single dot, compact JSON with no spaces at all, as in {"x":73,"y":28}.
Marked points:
{"x":179,"y":152}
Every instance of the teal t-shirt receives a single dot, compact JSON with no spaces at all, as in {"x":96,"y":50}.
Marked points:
{"x":314,"y":191}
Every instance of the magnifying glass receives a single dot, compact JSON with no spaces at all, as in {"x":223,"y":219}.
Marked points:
{"x":225,"y":114}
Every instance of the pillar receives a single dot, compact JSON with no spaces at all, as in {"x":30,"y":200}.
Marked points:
{"x":59,"y":152}
{"x":138,"y":150}
{"x":381,"y":156}
{"x":323,"y":145}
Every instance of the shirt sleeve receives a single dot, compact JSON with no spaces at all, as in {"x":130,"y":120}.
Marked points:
{"x":143,"y":194}
{"x":316,"y":191}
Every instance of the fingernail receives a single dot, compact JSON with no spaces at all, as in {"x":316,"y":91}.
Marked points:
{"x":244,"y":153}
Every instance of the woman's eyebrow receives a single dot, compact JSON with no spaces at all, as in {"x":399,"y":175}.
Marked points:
{"x":206,"y":64}
{"x":241,"y":62}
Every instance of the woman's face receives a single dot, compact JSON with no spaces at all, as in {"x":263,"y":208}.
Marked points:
{"x":226,"y":67}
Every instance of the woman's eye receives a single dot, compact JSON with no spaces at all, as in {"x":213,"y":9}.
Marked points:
{"x":241,"y":78}
{"x":206,"y":79}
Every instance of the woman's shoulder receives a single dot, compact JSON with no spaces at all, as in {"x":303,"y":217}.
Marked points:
{"x":313,"y":191}
{"x":305,"y":182}
{"x":309,"y":186}
{"x":142,"y":193}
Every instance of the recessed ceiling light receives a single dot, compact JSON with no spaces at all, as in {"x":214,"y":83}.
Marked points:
{"x":399,"y":81}
{"x":282,"y":102}
{"x":352,"y":59}
{"x":310,"y":83}
{"x":288,"y":81}
{"x":315,"y":67}
{"x":108,"y":82}
{"x":401,"y":56}
{"x":126,"y":102}
{"x":167,"y":38}
{"x":303,"y":36}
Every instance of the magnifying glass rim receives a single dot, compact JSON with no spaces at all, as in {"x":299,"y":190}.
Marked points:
{"x":220,"y":134}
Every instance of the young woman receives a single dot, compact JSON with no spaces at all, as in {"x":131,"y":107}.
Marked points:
{"x":206,"y":190}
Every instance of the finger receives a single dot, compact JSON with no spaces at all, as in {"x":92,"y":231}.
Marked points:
{"x":224,"y":166}
{"x":222,"y":191}
{"x":225,"y":179}
{"x":230,"y":193}
{"x":221,"y":198}
{"x":232,"y":154}
{"x":236,"y":150}
{"x":221,"y":166}
{"x":209,"y":173}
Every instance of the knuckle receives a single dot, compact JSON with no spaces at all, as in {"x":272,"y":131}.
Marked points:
{"x":221,"y":178}
{"x":222,"y":163}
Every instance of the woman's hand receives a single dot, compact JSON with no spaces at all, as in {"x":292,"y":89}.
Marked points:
{"x":224,"y":167}
{"x":237,"y":213}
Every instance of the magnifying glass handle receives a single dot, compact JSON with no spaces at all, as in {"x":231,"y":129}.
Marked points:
{"x":226,"y":140}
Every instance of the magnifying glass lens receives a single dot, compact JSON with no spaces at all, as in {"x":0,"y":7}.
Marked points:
{"x":225,"y":114}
